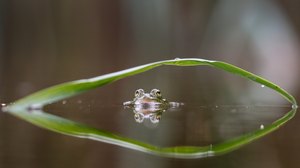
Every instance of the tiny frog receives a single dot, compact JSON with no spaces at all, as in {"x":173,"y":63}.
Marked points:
{"x":149,"y":105}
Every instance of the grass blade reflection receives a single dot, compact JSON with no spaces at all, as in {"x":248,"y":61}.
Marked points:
{"x":29,"y":109}
{"x":72,"y":128}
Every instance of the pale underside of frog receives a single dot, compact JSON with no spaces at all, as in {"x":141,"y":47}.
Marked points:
{"x":149,"y":105}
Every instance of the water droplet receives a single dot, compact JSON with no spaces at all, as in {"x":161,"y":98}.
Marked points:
{"x":262,"y":86}
{"x":177,"y":59}
{"x":262,"y":126}
{"x":64,"y":102}
{"x":294,"y":106}
{"x":217,"y":106}
{"x":3,"y":104}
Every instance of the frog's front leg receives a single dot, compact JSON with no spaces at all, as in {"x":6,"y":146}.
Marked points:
{"x":128,"y":103}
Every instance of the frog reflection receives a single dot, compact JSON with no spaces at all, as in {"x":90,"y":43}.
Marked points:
{"x":154,"y":117}
{"x":149,"y":105}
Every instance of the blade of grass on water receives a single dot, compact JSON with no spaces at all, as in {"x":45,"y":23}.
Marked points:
{"x":29,"y":109}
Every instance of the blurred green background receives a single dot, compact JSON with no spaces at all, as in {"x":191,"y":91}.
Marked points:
{"x":43,"y":43}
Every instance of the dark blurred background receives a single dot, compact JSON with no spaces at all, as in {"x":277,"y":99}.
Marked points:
{"x":43,"y":43}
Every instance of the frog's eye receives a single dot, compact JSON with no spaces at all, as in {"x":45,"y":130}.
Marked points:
{"x":155,"y":118}
{"x":139,"y":93}
{"x":155,"y":92}
{"x":138,"y":118}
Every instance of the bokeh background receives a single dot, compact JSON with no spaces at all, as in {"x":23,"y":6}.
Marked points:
{"x":43,"y":43}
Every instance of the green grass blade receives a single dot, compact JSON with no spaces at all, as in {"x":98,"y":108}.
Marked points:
{"x":21,"y":108}
{"x":73,"y":88}
{"x":68,"y":127}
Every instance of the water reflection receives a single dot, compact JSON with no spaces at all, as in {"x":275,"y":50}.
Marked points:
{"x":153,"y":115}
{"x":263,"y":126}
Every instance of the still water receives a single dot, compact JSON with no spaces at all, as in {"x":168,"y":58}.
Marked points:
{"x":188,"y":125}
{"x":213,"y":114}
